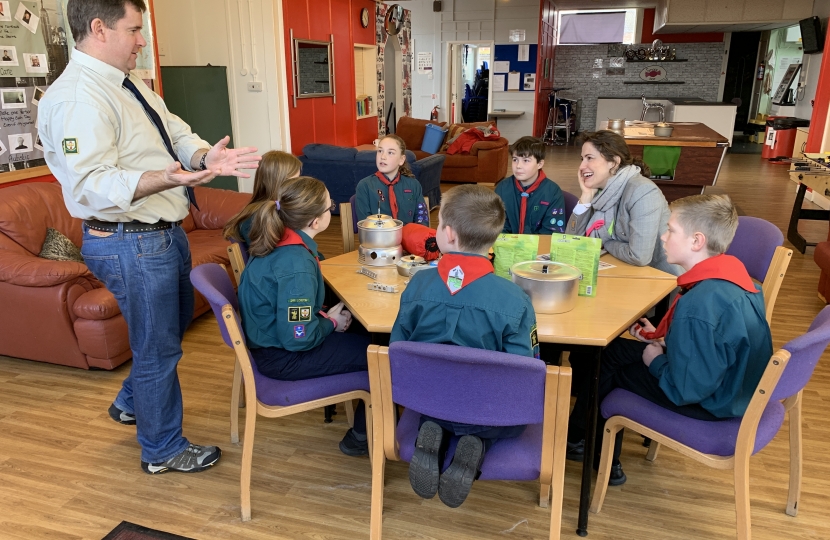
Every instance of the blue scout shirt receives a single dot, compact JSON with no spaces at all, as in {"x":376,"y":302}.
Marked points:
{"x":408,"y":194}
{"x":545,"y":207}
{"x":717,"y":348}
{"x":472,"y":308}
{"x":281,"y":295}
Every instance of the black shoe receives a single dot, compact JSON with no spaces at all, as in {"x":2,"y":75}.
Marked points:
{"x":351,"y":445}
{"x":576,"y":450}
{"x":128,"y":419}
{"x":425,"y":466}
{"x":193,"y":459}
{"x":617,"y":476}
{"x":457,"y":480}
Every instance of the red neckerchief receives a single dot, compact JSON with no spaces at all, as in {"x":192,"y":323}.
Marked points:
{"x":725,"y":267}
{"x":472,"y":267}
{"x":525,"y":195}
{"x":393,"y":202}
{"x":291,"y":238}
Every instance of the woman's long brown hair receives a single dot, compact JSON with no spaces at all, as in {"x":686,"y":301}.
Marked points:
{"x":275,"y":168}
{"x":612,"y":145}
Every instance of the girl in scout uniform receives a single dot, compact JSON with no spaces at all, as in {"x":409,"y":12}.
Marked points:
{"x":281,"y":296}
{"x":393,"y":190}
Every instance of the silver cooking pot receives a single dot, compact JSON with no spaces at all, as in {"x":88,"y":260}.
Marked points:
{"x":616,"y":123}
{"x":380,"y":231}
{"x":552,"y":287}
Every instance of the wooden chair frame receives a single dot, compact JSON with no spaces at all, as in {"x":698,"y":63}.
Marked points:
{"x":775,"y":277}
{"x":347,"y":229}
{"x":237,"y":262}
{"x":254,"y":407}
{"x":739,"y":462}
{"x":554,"y":436}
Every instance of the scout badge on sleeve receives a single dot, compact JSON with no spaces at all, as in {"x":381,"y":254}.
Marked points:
{"x":299,"y":331}
{"x":456,"y":279}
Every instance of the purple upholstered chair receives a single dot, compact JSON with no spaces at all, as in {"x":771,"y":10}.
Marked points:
{"x":570,"y":202}
{"x":726,"y":444}
{"x":759,"y":245}
{"x":264,"y":396}
{"x":478,"y":387}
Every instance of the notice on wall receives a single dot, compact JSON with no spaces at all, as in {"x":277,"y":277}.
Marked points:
{"x":424,"y":62}
{"x":513,"y":80}
{"x":517,"y":36}
{"x":498,"y":82}
{"x":530,"y":81}
{"x":524,"y":53}
{"x":501,"y":66}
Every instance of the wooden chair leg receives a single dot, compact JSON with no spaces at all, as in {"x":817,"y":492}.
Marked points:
{"x":544,"y":495}
{"x":607,"y":456}
{"x":247,"y":458}
{"x":378,"y":460}
{"x":236,"y":401}
{"x":794,"y":412}
{"x":367,"y":406}
{"x":653,"y":448}
{"x":349,"y":406}
{"x":742,"y":514}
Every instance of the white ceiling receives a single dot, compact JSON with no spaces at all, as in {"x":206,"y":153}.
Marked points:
{"x":604,"y":4}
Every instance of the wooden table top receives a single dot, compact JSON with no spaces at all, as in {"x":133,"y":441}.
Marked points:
{"x":684,"y":134}
{"x":619,"y":302}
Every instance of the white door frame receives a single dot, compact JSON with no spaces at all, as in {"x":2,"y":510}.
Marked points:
{"x":451,"y":74}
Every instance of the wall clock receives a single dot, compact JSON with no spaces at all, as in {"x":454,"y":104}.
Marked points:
{"x":364,"y":17}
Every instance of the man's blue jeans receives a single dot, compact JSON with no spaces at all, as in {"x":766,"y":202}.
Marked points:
{"x":149,"y":275}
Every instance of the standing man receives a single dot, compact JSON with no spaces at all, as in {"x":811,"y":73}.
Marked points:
{"x":127,"y":167}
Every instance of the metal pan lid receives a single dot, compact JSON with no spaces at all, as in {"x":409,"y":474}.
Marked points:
{"x":379,"y":221}
{"x":545,"y":271}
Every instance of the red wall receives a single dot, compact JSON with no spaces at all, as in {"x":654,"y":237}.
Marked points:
{"x":320,"y":120}
{"x":648,"y":37}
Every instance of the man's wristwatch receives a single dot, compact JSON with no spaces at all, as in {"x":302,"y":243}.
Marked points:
{"x":202,"y":165}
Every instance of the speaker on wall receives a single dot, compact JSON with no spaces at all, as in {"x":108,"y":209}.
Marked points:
{"x":436,"y":6}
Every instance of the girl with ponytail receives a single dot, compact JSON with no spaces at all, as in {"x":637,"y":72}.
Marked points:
{"x":281,"y":295}
{"x":393,"y":190}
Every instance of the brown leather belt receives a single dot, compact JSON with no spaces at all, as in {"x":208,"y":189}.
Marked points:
{"x":130,"y":226}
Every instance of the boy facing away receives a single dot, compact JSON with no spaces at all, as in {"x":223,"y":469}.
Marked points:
{"x":534,"y":203}
{"x":463,"y":302}
{"x":706,"y":357}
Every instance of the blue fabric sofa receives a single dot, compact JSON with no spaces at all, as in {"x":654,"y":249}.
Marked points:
{"x":342,"y":168}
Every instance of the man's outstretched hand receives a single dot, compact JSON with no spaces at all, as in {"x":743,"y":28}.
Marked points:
{"x":226,"y":161}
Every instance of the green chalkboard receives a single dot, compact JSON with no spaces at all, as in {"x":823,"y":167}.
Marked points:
{"x":199,"y":95}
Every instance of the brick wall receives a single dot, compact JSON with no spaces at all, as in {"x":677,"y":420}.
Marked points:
{"x":574,"y":69}
{"x":314,"y":70}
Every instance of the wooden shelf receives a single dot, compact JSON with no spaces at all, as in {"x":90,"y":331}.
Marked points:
{"x":367,"y":116}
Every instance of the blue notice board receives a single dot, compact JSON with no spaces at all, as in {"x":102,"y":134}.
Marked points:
{"x":511,"y":54}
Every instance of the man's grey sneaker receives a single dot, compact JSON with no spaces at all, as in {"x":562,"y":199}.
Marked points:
{"x":194,"y":458}
{"x":122,"y":417}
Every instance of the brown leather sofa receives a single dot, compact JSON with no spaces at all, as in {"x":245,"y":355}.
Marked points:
{"x":822,"y":258}
{"x":486,"y":163}
{"x":56,"y":311}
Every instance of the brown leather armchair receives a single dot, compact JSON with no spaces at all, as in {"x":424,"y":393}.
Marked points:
{"x":56,"y":311}
{"x":486,"y":163}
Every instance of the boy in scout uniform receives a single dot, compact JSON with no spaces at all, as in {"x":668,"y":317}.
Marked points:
{"x":464,"y":303}
{"x":534,"y":203}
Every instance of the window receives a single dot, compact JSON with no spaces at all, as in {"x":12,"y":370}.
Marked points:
{"x":597,"y":26}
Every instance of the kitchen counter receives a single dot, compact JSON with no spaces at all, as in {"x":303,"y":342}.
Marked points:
{"x":701,"y":154}
{"x":718,"y":116}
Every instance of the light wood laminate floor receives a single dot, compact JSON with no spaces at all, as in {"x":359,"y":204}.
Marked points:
{"x":69,"y":472}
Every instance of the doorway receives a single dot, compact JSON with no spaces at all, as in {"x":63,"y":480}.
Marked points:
{"x":741,"y":72}
{"x":468,"y":80}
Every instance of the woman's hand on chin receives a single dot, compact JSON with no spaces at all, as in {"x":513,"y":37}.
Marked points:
{"x":587,"y":194}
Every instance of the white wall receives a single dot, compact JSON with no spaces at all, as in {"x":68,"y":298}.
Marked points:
{"x":245,"y":36}
{"x":470,"y":20}
{"x":803,"y":108}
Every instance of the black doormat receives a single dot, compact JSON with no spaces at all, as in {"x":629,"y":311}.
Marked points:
{"x":131,"y":531}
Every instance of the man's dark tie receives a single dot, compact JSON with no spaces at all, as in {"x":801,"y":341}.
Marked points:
{"x":154,"y":116}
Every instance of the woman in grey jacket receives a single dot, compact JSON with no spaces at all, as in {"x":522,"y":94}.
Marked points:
{"x":620,"y":205}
